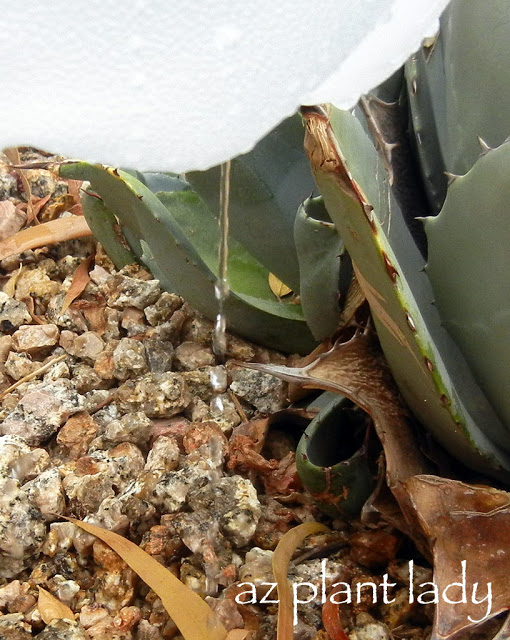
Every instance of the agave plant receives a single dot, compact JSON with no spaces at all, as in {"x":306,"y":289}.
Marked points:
{"x":438,"y":302}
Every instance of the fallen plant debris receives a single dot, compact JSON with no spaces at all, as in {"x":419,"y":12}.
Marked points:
{"x":107,"y":426}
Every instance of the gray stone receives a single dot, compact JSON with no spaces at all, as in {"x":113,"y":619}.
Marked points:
{"x":160,"y":355}
{"x":190,"y":356}
{"x":36,"y":283}
{"x":129,"y":359}
{"x":265,"y":392}
{"x":22,"y":530}
{"x":36,"y":339}
{"x":131,"y":292}
{"x":132,"y":427}
{"x":63,"y":630}
{"x":13,"y":313}
{"x":8,"y":185}
{"x":72,"y":319}
{"x":5,"y":347}
{"x":86,"y":346}
{"x":19,"y":365}
{"x":163,"y":309}
{"x":42,"y":410}
{"x":234,"y":502}
{"x":14,"y":627}
{"x":19,"y":461}
{"x":159,"y":395}
{"x":45,"y":494}
{"x":133,"y":321}
{"x":164,"y":455}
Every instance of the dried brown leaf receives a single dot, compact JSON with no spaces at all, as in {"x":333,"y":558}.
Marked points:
{"x":73,"y":187}
{"x":238,"y":634}
{"x":57,"y":206}
{"x":37,"y":204}
{"x":94,"y":313}
{"x":10,"y":286}
{"x":14,"y":158}
{"x":469,"y":524}
{"x":43,"y":234}
{"x":281,"y":558}
{"x":29,"y":301}
{"x":332,"y":621}
{"x":504,"y":632}
{"x":51,"y":608}
{"x":357,"y":369}
{"x":81,"y":278}
{"x":278,"y":287}
{"x":194,"y":618}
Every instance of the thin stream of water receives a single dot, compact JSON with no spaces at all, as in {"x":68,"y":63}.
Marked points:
{"x":221,"y":290}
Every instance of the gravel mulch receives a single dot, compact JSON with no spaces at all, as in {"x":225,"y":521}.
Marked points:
{"x":111,"y":419}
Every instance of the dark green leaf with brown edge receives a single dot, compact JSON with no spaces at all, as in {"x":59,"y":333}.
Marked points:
{"x":433,"y":377}
{"x":332,"y":458}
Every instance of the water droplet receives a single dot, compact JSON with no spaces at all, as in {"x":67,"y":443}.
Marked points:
{"x":218,"y":377}
{"x":219,"y":342}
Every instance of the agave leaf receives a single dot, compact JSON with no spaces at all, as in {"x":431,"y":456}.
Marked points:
{"x":429,"y":369}
{"x":324,"y":267}
{"x":469,"y":265}
{"x":357,"y":370}
{"x":331,"y":459}
{"x":177,"y":242}
{"x":425,"y":75}
{"x":160,"y":181}
{"x":459,"y":90}
{"x":105,"y":227}
{"x":266,"y":187}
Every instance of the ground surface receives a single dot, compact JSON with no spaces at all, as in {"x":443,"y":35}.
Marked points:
{"x":113,"y":421}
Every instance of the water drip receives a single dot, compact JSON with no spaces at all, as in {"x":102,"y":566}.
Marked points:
{"x":221,"y":290}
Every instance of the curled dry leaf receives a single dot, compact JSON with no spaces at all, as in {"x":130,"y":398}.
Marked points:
{"x":194,"y":618}
{"x":332,"y":621}
{"x":81,"y":278}
{"x":281,"y":558}
{"x":246,"y":444}
{"x":357,"y":370}
{"x":52,"y":232}
{"x":74,"y":186}
{"x":469,"y":524}
{"x":51,"y":608}
{"x":37,"y":204}
{"x":29,"y":301}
